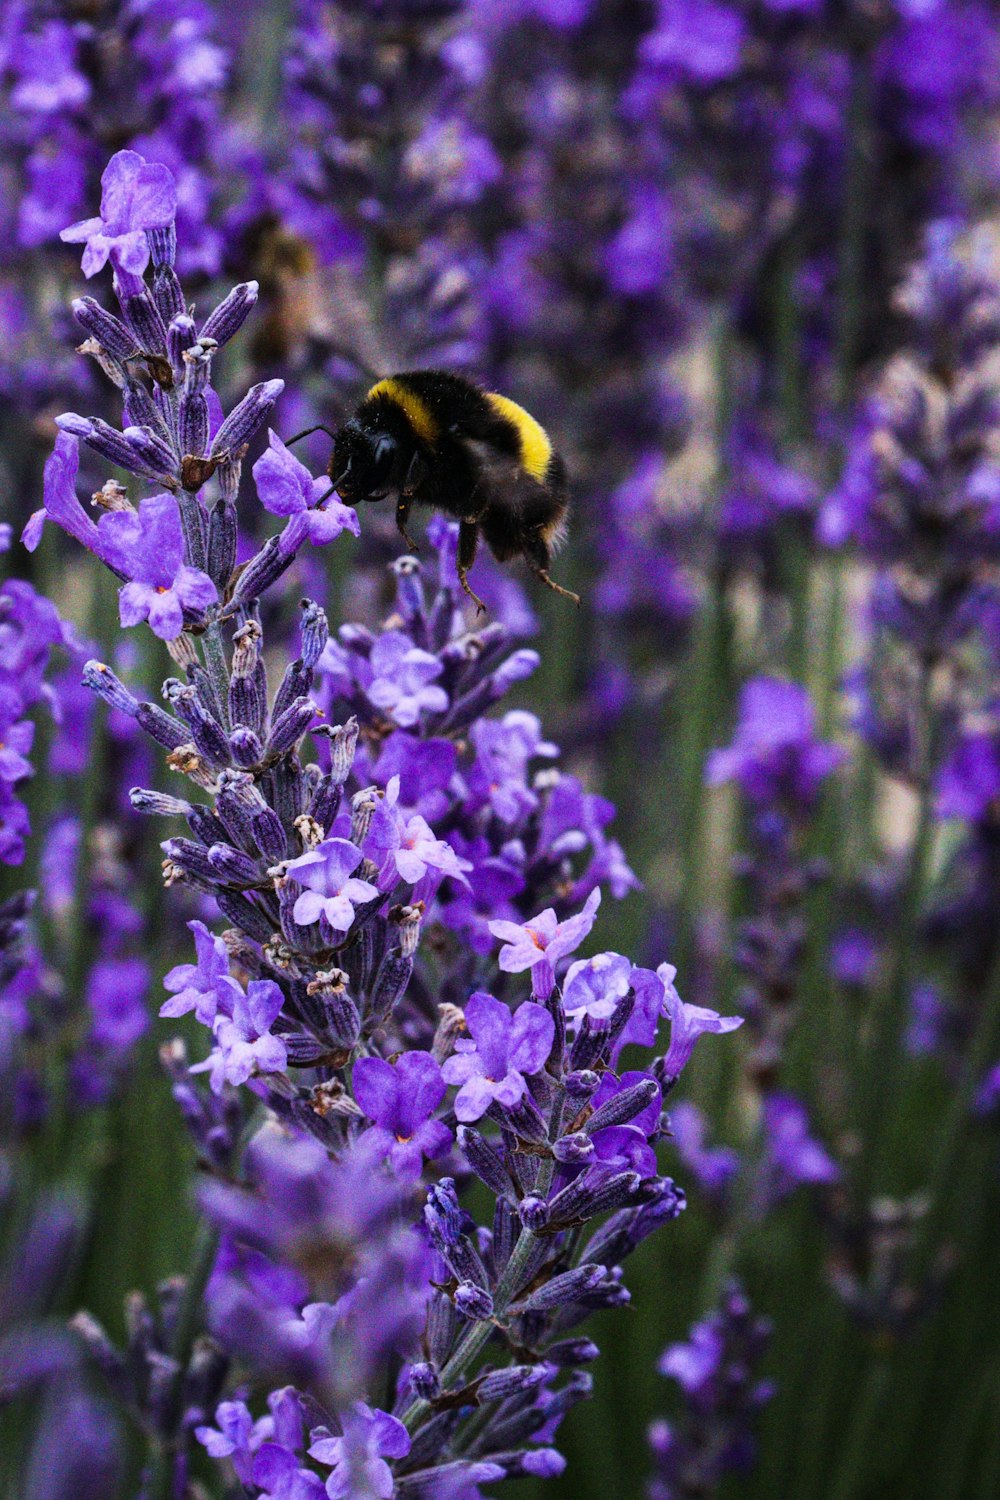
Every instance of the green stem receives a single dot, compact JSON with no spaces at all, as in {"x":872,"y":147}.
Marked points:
{"x":941,"y":1185}
{"x":885,"y":1071}
{"x":821,"y":1370}
{"x":477,"y":1337}
{"x":217,"y":667}
{"x":707,"y":683}
{"x":857,"y":194}
{"x":856,"y":1449}
{"x":989,"y":1486}
{"x":188,"y":1322}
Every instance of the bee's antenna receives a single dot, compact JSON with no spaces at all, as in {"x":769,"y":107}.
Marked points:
{"x":334,"y":486}
{"x":343,"y":351}
{"x":308,"y":433}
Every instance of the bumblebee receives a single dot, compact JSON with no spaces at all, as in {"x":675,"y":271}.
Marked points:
{"x":434,"y":439}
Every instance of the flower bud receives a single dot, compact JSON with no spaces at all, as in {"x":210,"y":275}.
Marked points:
{"x":180,"y":336}
{"x":228,"y":317}
{"x":574,"y":1150}
{"x":424,"y":1380}
{"x":246,"y":747}
{"x":100,"y":679}
{"x":110,"y":333}
{"x":624,"y":1106}
{"x":144,"y":318}
{"x":314,"y":630}
{"x":244,"y":420}
{"x":513,"y":1381}
{"x":158,"y":804}
{"x":534,"y":1213}
{"x":473,"y":1302}
{"x":289,"y":727}
{"x":569,"y":1287}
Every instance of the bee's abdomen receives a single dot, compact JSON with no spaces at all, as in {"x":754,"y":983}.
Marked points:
{"x":533,"y":444}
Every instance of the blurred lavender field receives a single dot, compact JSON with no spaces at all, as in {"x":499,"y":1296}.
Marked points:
{"x":548,"y":1052}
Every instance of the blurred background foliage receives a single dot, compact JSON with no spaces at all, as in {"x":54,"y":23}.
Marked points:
{"x":676,"y":232}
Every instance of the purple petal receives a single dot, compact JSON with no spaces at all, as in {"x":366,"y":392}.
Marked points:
{"x":489,"y":1023}
{"x":195,"y":589}
{"x":530,"y":1038}
{"x":283,"y":484}
{"x":376,"y":1090}
{"x":473,"y":1099}
{"x":264,"y":1001}
{"x":166,"y":618}
{"x":421,"y":1089}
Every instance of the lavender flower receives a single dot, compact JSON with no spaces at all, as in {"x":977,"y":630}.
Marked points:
{"x":197,"y":986}
{"x":492,"y":1063}
{"x":400,"y":1098}
{"x":538,"y":945}
{"x":332,"y":890}
{"x":687,"y":1024}
{"x":148,"y":547}
{"x":793,"y":1156}
{"x":286,"y":488}
{"x":714,"y":1166}
{"x":418,"y":810}
{"x":136,"y":196}
{"x":244,"y":1045}
{"x":29,"y":631}
{"x":774,"y":751}
{"x":780,"y":766}
{"x":357,"y":1457}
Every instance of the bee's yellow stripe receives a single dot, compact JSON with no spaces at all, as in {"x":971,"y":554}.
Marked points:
{"x":416,"y":409}
{"x":536,"y":450}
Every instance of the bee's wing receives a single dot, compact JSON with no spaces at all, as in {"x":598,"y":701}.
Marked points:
{"x":348,"y":328}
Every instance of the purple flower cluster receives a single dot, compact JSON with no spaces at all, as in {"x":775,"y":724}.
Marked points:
{"x":918,"y":499}
{"x":381,"y":167}
{"x":385,"y":1081}
{"x":712,"y":77}
{"x":779,"y":765}
{"x":426,"y":1096}
{"x":716,"y":1369}
{"x":29,"y":630}
{"x":153,"y":79}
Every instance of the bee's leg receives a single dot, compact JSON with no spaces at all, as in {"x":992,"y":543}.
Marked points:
{"x":402,"y":516}
{"x":536,"y":555}
{"x":468,"y":540}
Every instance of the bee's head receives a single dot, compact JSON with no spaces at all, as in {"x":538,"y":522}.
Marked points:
{"x":362,"y":464}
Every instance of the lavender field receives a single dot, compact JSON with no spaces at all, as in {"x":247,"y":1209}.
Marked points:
{"x":538,"y":1049}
